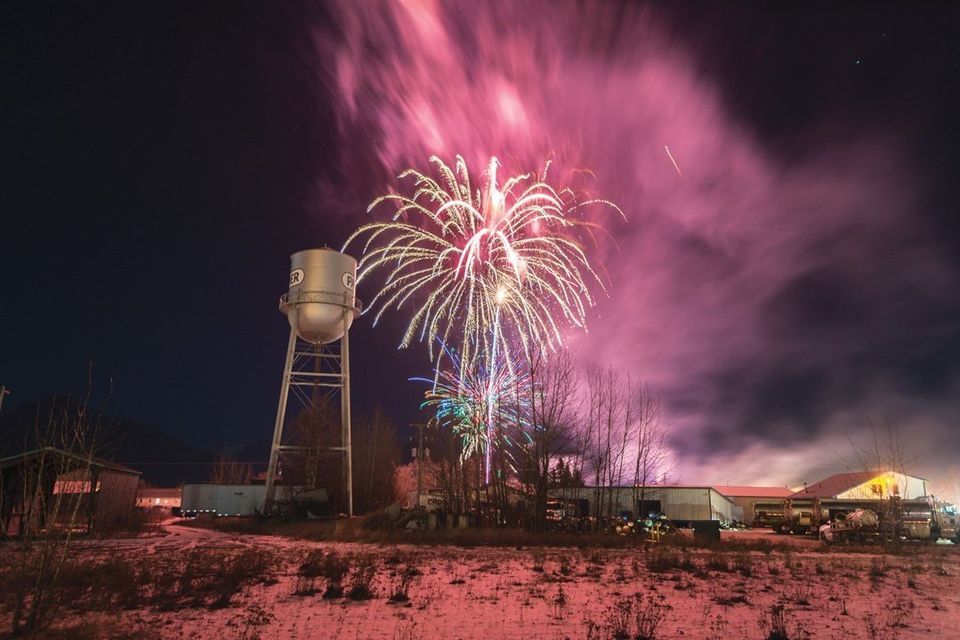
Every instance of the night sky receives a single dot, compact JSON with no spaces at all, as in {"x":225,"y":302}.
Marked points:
{"x":799,"y":279}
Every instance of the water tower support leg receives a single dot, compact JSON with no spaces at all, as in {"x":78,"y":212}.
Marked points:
{"x":345,"y":410}
{"x":278,"y":427}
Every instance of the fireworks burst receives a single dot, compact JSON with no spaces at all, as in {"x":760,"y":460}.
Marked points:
{"x":468,"y":399}
{"x":490,"y":267}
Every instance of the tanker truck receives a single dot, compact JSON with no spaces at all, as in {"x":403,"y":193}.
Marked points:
{"x":922,"y":520}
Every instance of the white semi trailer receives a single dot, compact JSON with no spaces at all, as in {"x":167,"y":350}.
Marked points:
{"x":222,"y":499}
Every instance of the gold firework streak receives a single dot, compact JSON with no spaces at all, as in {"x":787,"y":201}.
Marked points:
{"x":670,"y":155}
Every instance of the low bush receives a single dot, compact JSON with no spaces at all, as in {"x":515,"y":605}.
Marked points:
{"x":98,"y":580}
{"x":382,"y":520}
{"x":717,"y":562}
{"x":635,"y":618}
{"x":307,"y":573}
{"x":743,"y":563}
{"x":361,"y":583}
{"x":334,"y":568}
{"x":662,"y":559}
{"x":401,"y":590}
{"x":539,"y":559}
{"x":777,"y":624}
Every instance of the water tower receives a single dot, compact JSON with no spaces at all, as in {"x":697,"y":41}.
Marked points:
{"x":320,"y":306}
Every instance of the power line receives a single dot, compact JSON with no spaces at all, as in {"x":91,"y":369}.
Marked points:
{"x":193,"y":463}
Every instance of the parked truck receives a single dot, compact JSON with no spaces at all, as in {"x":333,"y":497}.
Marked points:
{"x":925,"y":519}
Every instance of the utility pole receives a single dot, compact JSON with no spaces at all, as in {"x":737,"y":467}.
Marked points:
{"x":4,"y":392}
{"x":420,"y":426}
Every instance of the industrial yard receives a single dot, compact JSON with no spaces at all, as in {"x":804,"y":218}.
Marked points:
{"x":191,"y":580}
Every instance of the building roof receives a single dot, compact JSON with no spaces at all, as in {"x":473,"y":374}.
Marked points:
{"x":592,"y":487}
{"x":738,"y":491}
{"x":836,"y":484}
{"x":14,"y":460}
{"x":159,"y":493}
{"x":651,"y":488}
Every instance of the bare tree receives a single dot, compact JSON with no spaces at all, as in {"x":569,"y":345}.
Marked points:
{"x":599,"y":406}
{"x":226,"y":470}
{"x":580,"y":447}
{"x":549,"y":393}
{"x":623,"y":428}
{"x":885,"y":454}
{"x":56,"y":491}
{"x":376,"y":452}
{"x":649,"y":438}
{"x":611,"y":422}
{"x":314,"y":431}
{"x":449,"y":470}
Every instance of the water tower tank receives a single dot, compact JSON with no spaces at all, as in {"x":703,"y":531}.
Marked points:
{"x":321,"y":291}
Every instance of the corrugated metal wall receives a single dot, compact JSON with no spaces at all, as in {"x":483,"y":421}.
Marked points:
{"x":223,"y":499}
{"x":721,"y":507}
{"x":889,"y":483}
{"x":678,"y":503}
{"x":115,"y":500}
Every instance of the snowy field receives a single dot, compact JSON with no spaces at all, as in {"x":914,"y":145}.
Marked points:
{"x":798,"y":589}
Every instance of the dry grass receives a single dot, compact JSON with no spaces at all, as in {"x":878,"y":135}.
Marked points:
{"x":97,"y":581}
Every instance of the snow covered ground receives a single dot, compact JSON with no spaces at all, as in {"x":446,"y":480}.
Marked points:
{"x":569,"y":593}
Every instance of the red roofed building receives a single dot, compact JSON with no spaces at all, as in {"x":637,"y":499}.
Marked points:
{"x":842,"y":493}
{"x":865,"y":485}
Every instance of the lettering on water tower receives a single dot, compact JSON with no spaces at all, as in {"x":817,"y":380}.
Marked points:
{"x":347,"y":280}
{"x":296,"y":277}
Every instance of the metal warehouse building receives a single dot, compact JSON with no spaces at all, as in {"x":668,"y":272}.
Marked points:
{"x":679,"y":503}
{"x":756,"y":506}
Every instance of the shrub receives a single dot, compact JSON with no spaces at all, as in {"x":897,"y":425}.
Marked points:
{"x":618,"y":618}
{"x":400,"y":594}
{"x":248,"y":567}
{"x":728,"y":601}
{"x":743,"y":562}
{"x":361,"y":584}
{"x":635,"y":617}
{"x":333,"y":569}
{"x":686,"y":563}
{"x":647,"y":616}
{"x":382,"y":520}
{"x":307,"y":573}
{"x":774,"y":624}
{"x":201,"y":578}
{"x":538,"y":561}
{"x":559,"y":603}
{"x":662,"y":559}
{"x":718,"y":562}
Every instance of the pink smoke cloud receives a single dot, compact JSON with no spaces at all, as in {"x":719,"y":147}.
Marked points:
{"x":752,"y":291}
